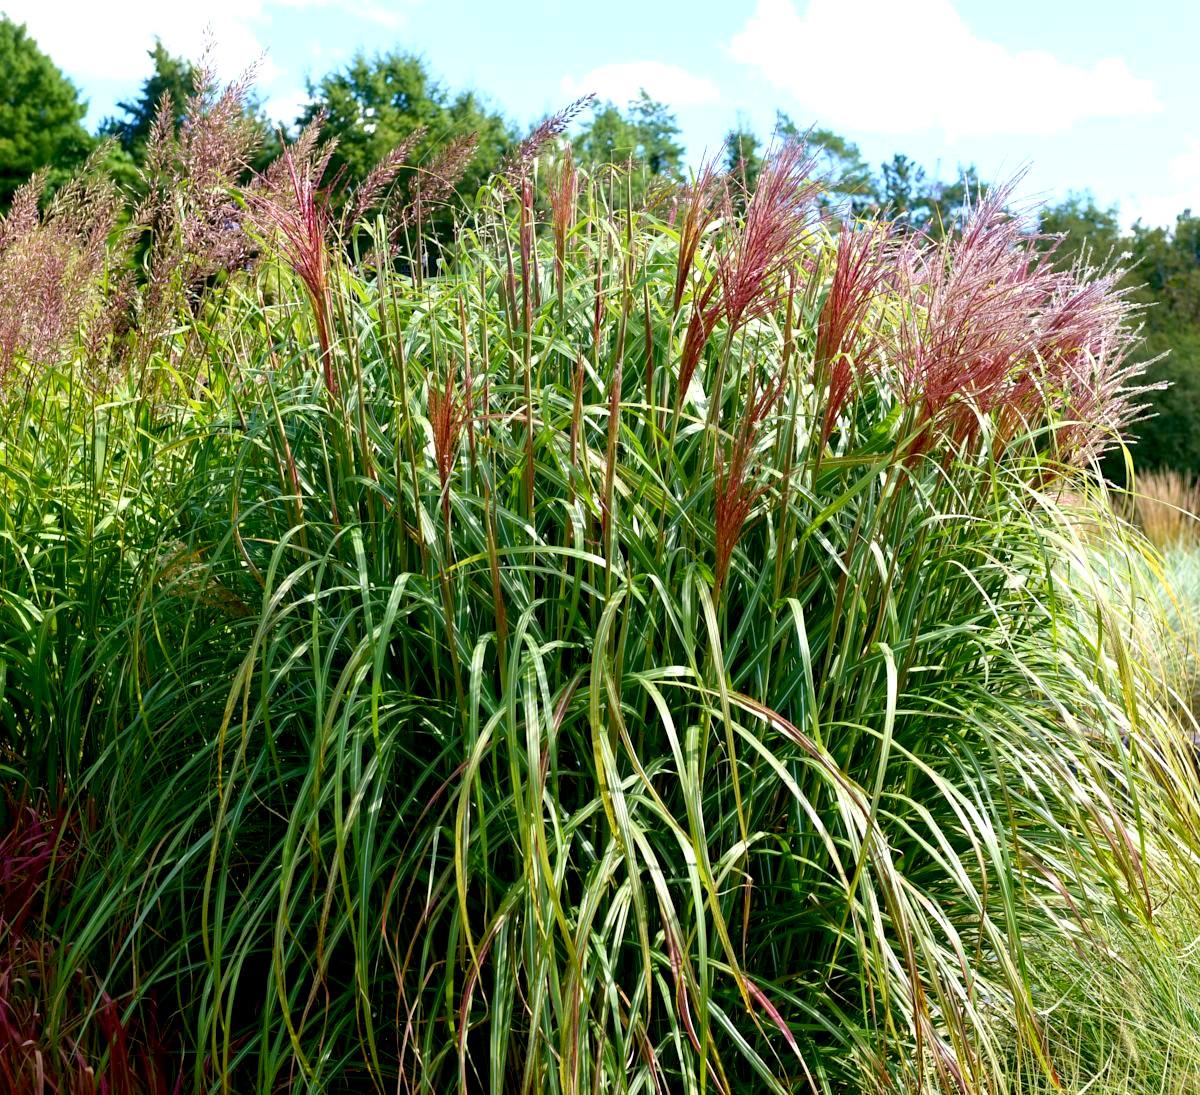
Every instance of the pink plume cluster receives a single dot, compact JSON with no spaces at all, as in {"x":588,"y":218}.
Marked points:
{"x":993,"y":328}
{"x":51,"y":266}
{"x":751,"y":265}
{"x":778,"y":220}
{"x":296,"y":214}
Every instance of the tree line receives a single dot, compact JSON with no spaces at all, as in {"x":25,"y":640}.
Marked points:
{"x":377,"y":102}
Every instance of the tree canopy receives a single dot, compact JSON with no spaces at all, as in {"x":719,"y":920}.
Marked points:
{"x":41,"y":115}
{"x":376,"y":103}
{"x":646,"y":133}
{"x":743,"y":156}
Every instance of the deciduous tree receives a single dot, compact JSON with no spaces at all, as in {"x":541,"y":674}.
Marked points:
{"x":376,"y":103}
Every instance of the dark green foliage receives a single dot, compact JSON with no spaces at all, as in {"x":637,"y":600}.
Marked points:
{"x":41,"y":115}
{"x":1165,"y":275}
{"x":1165,"y":266}
{"x":1164,"y":279}
{"x":646,"y":134}
{"x":376,"y":102}
{"x":743,"y":157}
{"x":173,"y":77}
{"x":906,"y":192}
{"x":1087,"y":232}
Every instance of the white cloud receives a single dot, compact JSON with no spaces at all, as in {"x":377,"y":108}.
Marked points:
{"x":92,"y":40}
{"x":884,"y":67}
{"x":284,"y":108}
{"x":1182,"y":190}
{"x":367,"y":10}
{"x":97,"y":40}
{"x":622,"y":82}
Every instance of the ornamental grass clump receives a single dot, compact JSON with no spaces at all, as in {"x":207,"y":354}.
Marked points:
{"x":1165,"y":505}
{"x":618,"y":649}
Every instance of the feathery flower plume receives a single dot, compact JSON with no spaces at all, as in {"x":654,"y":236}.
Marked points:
{"x":706,"y":312}
{"x":525,"y":243}
{"x":160,"y":142}
{"x":768,"y":242}
{"x":447,"y":416}
{"x":972,"y":300}
{"x":734,"y":500}
{"x":380,"y":177}
{"x":197,"y":231}
{"x":564,"y":196}
{"x":435,"y":181}
{"x":307,"y":149}
{"x":298,"y":221}
{"x":23,"y":215}
{"x":695,"y":208}
{"x":448,"y":167}
{"x":750,"y":267}
{"x":1086,"y":335}
{"x":843,"y":343}
{"x":991,"y":328}
{"x":51,"y":265}
{"x":517,"y":164}
{"x":735,"y":495}
{"x":776,"y":224}
{"x":217,"y":135}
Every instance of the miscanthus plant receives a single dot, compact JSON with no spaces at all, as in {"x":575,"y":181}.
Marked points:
{"x":629,"y":649}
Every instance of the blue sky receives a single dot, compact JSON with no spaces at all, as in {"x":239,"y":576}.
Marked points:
{"x":1088,"y":94}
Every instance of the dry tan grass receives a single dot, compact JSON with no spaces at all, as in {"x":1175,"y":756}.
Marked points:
{"x":1166,"y":506}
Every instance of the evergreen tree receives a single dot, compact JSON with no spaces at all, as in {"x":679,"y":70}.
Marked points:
{"x":743,"y":158}
{"x":175,"y":77}
{"x":41,"y":115}
{"x":172,"y":76}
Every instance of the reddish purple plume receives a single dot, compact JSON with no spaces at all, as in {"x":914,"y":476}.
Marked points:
{"x":694,"y":209}
{"x":447,"y":416}
{"x":845,"y":343}
{"x":777,"y":222}
{"x":992,"y":328}
{"x":297,"y":215}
